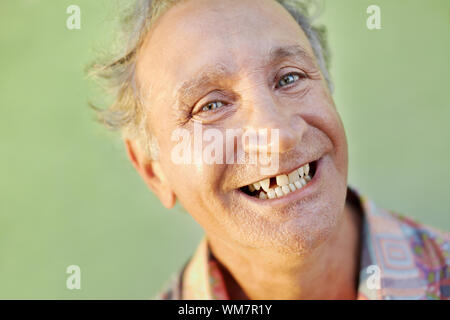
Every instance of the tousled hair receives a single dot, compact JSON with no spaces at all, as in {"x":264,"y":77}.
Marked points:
{"x":116,"y":73}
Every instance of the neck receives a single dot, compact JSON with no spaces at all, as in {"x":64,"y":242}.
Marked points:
{"x":329,"y":272}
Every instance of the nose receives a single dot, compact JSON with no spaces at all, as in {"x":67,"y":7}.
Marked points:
{"x":284,"y":128}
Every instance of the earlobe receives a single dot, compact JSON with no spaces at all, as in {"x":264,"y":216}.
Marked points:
{"x":159,"y":184}
{"x":152,"y":173}
{"x":167,"y":198}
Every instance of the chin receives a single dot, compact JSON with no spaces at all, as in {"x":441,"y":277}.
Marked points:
{"x":299,"y":226}
{"x":303,"y":234}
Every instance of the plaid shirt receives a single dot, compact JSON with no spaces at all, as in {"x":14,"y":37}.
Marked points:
{"x":412,"y":261}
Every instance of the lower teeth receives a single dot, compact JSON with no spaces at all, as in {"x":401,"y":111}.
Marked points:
{"x":279,"y":192}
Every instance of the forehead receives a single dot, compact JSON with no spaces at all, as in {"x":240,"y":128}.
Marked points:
{"x":228,"y":34}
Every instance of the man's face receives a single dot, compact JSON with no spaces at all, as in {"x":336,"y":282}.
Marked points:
{"x":260,"y":74}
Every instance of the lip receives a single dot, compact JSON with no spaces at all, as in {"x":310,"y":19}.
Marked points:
{"x":298,"y":194}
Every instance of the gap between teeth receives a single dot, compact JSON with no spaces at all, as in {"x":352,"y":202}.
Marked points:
{"x":285,"y":183}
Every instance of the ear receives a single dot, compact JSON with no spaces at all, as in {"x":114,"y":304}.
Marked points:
{"x":151,"y":172}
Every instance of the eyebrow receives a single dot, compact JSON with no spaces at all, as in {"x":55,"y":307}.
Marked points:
{"x":292,"y":51}
{"x":189,"y":88}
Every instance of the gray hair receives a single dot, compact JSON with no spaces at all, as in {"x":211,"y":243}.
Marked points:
{"x":116,"y":74}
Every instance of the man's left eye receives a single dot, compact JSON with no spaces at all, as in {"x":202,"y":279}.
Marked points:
{"x":288,"y":79}
{"x":212,"y":106}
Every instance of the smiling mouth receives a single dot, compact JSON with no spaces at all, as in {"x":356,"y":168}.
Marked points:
{"x":283,"y":184}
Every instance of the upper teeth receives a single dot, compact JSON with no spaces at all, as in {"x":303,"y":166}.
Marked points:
{"x":286,"y":183}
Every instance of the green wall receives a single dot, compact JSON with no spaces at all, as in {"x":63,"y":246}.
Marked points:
{"x":68,"y":194}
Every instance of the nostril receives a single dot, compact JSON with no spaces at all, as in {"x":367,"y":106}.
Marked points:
{"x":271,"y":139}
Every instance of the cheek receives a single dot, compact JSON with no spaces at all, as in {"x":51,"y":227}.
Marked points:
{"x":196,"y":190}
{"x":338,"y":136}
{"x":194,"y":184}
{"x":321,"y":113}
{"x":197,"y":186}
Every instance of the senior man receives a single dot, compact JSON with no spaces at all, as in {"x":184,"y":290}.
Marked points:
{"x":295,"y":230}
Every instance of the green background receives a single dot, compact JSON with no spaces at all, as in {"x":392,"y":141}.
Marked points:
{"x":68,"y":194}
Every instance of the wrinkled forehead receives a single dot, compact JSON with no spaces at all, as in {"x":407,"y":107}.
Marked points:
{"x":231,"y":34}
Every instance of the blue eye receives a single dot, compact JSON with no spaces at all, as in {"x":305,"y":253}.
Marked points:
{"x":212,"y":106}
{"x":288,"y":79}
